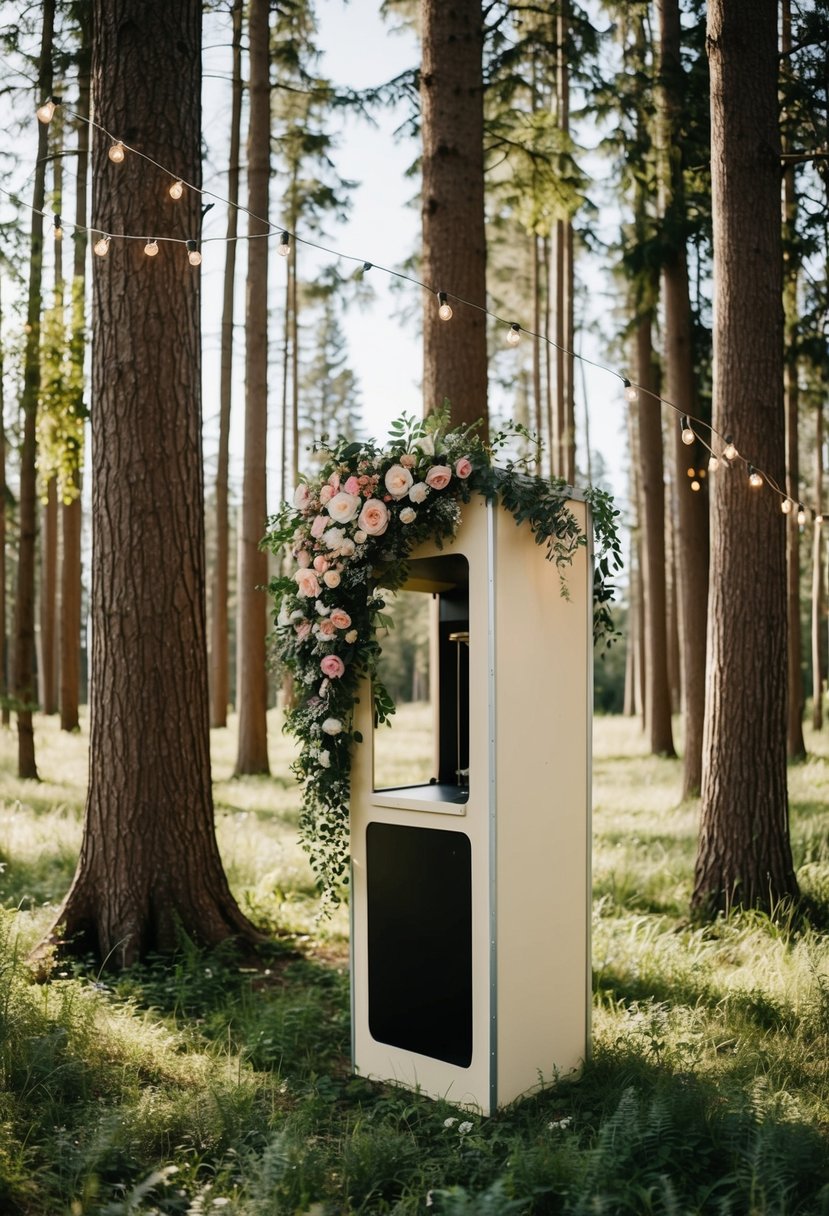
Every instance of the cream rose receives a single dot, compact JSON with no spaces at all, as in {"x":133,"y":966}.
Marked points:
{"x":332,"y":538}
{"x":332,"y":726}
{"x":408,"y":515}
{"x":438,"y":477}
{"x":351,"y":636}
{"x":398,"y":480}
{"x":343,"y":507}
{"x":340,"y":618}
{"x":418,"y":491}
{"x":307,"y":583}
{"x":374,"y":517}
{"x":302,"y":496}
{"x":426,"y":445}
{"x":331,"y":578}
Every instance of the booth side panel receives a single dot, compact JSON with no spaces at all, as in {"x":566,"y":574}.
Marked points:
{"x":543,"y":657}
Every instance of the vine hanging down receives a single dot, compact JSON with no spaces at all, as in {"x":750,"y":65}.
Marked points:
{"x":348,"y":536}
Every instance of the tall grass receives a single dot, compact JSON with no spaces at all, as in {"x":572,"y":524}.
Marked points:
{"x":199,"y":1085}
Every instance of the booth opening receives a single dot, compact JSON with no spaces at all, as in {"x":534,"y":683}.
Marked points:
{"x":426,"y":754}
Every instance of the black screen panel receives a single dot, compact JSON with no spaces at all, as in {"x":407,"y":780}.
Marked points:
{"x":419,"y":891}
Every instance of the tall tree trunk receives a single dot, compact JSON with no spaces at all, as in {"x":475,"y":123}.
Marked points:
{"x":452,"y":209}
{"x":71,"y":588}
{"x":251,"y":676}
{"x":548,"y":356}
{"x":674,"y":661}
{"x":795,"y":746}
{"x":744,"y":854}
{"x":536,"y":270}
{"x":691,"y":524}
{"x":219,"y":623}
{"x":655,"y":606}
{"x":47,"y":683}
{"x":24,"y":615}
{"x":817,"y":579}
{"x":4,"y":633}
{"x":149,"y":868}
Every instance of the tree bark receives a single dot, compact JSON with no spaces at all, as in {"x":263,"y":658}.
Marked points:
{"x":149,"y":868}
{"x":24,"y":615}
{"x":219,"y":623}
{"x":817,"y":579}
{"x":744,"y":854}
{"x":795,"y":746}
{"x":454,"y":240}
{"x":47,"y":665}
{"x":691,"y":524}
{"x":4,"y":655}
{"x":251,"y":676}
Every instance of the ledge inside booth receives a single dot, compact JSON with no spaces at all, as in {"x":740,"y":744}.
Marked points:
{"x":422,"y":763}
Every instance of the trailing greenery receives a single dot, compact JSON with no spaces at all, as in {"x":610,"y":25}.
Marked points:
{"x":348,"y":536}
{"x":197,"y":1085}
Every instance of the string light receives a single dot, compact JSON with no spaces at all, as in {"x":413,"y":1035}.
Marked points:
{"x":444,"y":307}
{"x":801,"y":514}
{"x":58,"y":227}
{"x":46,"y":111}
{"x":117,"y":154}
{"x":755,"y":480}
{"x":696,"y":485}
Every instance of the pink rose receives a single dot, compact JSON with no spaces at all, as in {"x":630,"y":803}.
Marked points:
{"x":302,"y":496}
{"x":334,"y":481}
{"x":302,"y":630}
{"x":398,"y":480}
{"x":343,"y":507}
{"x":408,"y":461}
{"x":326,"y":494}
{"x":331,"y":578}
{"x":438,"y":477}
{"x":340,"y":618}
{"x":320,"y":564}
{"x":374,"y":517}
{"x":326,"y":628}
{"x":307,"y":584}
{"x":352,"y":486}
{"x":463,"y":467}
{"x":418,"y":491}
{"x":319,"y":525}
{"x":332,"y":666}
{"x":303,"y":559}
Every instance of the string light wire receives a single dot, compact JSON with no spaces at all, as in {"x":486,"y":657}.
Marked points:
{"x":632,"y":390}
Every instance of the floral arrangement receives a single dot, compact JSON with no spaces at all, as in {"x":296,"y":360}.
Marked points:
{"x":345,"y":541}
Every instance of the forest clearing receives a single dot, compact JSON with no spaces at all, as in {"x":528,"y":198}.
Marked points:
{"x":204,"y":1085}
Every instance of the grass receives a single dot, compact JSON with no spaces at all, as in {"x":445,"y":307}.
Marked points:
{"x":196,"y":1085}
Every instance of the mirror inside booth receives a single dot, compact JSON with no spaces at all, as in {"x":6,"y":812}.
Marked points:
{"x":425,"y":665}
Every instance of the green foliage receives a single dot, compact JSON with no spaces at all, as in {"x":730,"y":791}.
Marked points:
{"x":350,"y":533}
{"x":202,"y":1085}
{"x":62,"y":411}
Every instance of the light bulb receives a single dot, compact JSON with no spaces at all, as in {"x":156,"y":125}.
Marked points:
{"x":755,"y":479}
{"x":176,"y":190}
{"x":695,"y":485}
{"x":801,"y":514}
{"x":691,"y":472}
{"x":631,"y":393}
{"x":193,"y":255}
{"x":151,"y":248}
{"x":729,"y":451}
{"x":46,"y":112}
{"x":513,"y":334}
{"x":786,"y":506}
{"x":101,"y":247}
{"x":117,"y":153}
{"x":713,"y":463}
{"x":444,"y":307}
{"x":284,"y":246}
{"x":688,"y":435}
